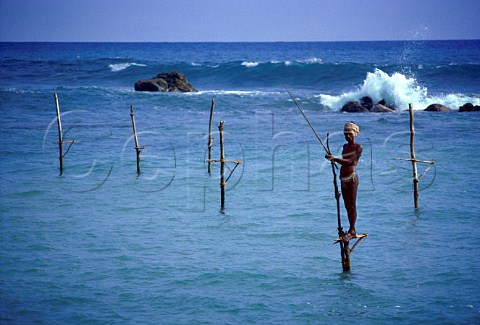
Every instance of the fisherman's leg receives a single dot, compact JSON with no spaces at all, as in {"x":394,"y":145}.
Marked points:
{"x":347,"y":201}
{"x":352,"y":215}
{"x":350,"y":200}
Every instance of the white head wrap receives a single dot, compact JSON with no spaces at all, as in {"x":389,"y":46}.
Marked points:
{"x":351,"y":127}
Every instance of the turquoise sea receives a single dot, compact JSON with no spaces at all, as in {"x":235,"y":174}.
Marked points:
{"x":101,"y":244}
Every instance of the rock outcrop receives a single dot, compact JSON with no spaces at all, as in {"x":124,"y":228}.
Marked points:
{"x":165,"y":82}
{"x":468,"y":107}
{"x":366,"y":102}
{"x":379,"y":108}
{"x":354,"y":107}
{"x":365,"y":105}
{"x":437,"y":108}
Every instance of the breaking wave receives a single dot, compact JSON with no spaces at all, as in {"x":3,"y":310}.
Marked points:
{"x":122,"y":66}
{"x":397,"y":90}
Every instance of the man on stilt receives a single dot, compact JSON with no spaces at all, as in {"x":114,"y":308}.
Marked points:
{"x":348,"y":174}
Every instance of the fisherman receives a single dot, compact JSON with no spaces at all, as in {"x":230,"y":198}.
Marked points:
{"x":348,"y":174}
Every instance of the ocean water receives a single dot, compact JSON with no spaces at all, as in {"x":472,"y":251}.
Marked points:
{"x":101,"y":244}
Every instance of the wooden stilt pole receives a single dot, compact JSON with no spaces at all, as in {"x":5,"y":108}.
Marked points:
{"x":137,"y":147}
{"x":222,"y":167}
{"x":210,"y":137}
{"x":344,"y":245}
{"x":223,"y":163}
{"x":60,"y":134}
{"x":414,"y":159}
{"x":61,"y":155}
{"x":344,"y":249}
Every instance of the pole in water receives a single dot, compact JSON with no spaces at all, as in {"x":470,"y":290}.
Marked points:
{"x":224,"y":164}
{"x":60,"y":142}
{"x":222,"y":167}
{"x":344,"y":245}
{"x":137,"y":147}
{"x":210,"y":138}
{"x":60,"y":134}
{"x":414,"y":160}
{"x":413,"y":157}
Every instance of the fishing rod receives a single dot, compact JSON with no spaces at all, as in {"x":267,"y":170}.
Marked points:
{"x":327,"y":150}
{"x":309,"y":124}
{"x":344,"y":250}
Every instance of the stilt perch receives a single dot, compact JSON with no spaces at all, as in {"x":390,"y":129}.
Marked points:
{"x":223,"y":163}
{"x":222,"y":167}
{"x":138,"y":149}
{"x":413,"y":157}
{"x":344,"y":253}
{"x":345,"y":250}
{"x":414,"y":160}
{"x":344,"y":241}
{"x":210,"y":138}
{"x":60,"y":135}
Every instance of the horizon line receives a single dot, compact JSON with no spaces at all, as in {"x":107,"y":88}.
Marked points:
{"x":330,"y":41}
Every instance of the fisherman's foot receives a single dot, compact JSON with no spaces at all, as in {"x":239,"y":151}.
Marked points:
{"x":352,"y":234}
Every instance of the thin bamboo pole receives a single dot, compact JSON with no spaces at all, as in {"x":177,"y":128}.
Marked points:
{"x":344,"y":245}
{"x":413,"y":157}
{"x":210,"y":137}
{"x":222,"y":167}
{"x":60,"y":134}
{"x":137,"y":147}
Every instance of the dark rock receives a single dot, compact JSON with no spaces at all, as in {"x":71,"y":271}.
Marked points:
{"x":366,"y":102}
{"x":379,"y":108}
{"x":384,"y":103}
{"x":476,"y":108}
{"x":165,"y":82}
{"x":468,"y":107}
{"x":437,"y":108}
{"x":354,"y":107}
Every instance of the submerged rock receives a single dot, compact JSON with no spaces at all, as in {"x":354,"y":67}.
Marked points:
{"x":379,"y":108}
{"x":354,"y":107}
{"x":384,"y":103}
{"x":166,"y":82}
{"x":366,"y":102}
{"x":437,"y":108}
{"x":468,"y":107}
{"x":366,"y":105}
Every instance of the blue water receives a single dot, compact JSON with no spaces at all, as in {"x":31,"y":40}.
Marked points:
{"x":100,"y":244}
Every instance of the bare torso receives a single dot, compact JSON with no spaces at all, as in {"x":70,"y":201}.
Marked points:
{"x":351,"y":154}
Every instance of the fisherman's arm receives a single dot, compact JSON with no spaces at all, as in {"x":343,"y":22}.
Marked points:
{"x":351,"y":161}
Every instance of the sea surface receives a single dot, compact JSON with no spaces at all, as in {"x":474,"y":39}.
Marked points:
{"x":101,"y":244}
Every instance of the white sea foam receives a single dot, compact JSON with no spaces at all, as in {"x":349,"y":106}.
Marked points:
{"x":234,"y":92}
{"x":250,"y":64}
{"x":452,"y":101}
{"x":299,"y":62}
{"x":122,"y":66}
{"x":313,"y":61}
{"x":398,"y":91}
